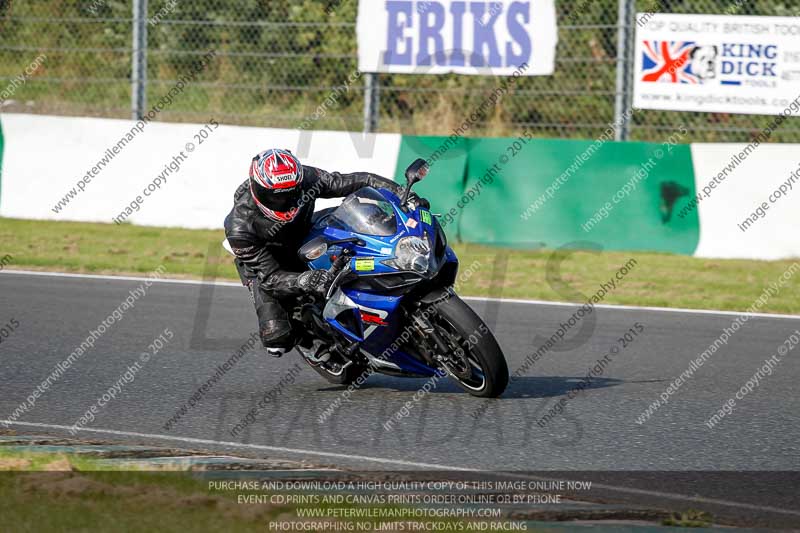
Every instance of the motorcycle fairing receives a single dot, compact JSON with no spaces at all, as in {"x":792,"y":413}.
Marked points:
{"x":374,"y":319}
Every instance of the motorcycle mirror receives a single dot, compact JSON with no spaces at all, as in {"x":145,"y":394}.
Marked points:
{"x":348,"y":240}
{"x":313,"y":249}
{"x":416,"y":171}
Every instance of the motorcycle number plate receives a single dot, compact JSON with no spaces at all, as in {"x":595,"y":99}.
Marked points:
{"x":365,"y":264}
{"x":426,"y":217}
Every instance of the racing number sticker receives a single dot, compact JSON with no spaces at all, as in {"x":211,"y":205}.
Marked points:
{"x":365,"y":264}
{"x":426,"y":217}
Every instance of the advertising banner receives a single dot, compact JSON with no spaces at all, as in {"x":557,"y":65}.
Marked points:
{"x":716,"y":63}
{"x":492,"y":38}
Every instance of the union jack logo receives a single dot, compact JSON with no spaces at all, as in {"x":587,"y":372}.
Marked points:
{"x":668,"y":61}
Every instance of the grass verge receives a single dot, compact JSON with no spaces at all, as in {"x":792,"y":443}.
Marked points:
{"x":656,"y":279}
{"x":44,"y":492}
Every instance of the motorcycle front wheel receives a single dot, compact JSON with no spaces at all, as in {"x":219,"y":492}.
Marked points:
{"x":475,"y":360}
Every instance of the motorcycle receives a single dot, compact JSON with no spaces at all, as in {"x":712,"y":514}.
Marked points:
{"x":391,"y":307}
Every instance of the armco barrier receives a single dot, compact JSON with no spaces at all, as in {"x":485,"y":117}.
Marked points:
{"x":743,"y":185}
{"x":535,"y":193}
{"x":2,"y":146}
{"x":199,"y":195}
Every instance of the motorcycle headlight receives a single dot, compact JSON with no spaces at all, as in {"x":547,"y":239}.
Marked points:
{"x":411,"y":253}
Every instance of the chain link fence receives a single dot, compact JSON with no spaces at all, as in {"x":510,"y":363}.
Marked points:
{"x":292,"y":64}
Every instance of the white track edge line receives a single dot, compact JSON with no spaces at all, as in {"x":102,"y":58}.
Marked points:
{"x":635,"y":308}
{"x":262,"y":447}
{"x":119,"y":278}
{"x":473,"y":298}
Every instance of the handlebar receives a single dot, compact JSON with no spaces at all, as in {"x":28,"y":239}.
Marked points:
{"x":344,"y":256}
{"x":339,"y":263}
{"x":336,"y":268}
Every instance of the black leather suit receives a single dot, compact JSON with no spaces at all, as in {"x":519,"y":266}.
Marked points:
{"x":266,"y":249}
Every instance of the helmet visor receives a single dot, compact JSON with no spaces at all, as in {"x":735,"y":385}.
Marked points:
{"x":280,"y":200}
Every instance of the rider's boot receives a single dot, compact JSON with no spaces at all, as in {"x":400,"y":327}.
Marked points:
{"x":276,"y":352}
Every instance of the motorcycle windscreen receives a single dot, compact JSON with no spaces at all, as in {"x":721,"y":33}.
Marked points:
{"x":366,"y":211}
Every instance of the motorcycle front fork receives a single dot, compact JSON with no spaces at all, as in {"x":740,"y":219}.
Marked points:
{"x":426,"y":330}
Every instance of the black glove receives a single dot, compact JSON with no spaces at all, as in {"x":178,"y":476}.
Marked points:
{"x":315,"y":282}
{"x":419,"y":201}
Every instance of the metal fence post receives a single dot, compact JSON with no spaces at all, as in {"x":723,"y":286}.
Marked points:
{"x":625,"y":20}
{"x":371,"y":102}
{"x":139,"y":60}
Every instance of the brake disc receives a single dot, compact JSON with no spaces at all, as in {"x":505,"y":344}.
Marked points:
{"x":457,"y":362}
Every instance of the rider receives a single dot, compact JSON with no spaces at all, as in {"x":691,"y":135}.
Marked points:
{"x":271,"y":216}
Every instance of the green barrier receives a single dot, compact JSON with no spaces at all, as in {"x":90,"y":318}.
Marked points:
{"x":444,"y":184}
{"x":2,"y":146}
{"x":549,"y":193}
{"x":624,"y":196}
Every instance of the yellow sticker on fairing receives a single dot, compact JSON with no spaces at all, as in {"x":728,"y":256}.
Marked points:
{"x":365,"y":264}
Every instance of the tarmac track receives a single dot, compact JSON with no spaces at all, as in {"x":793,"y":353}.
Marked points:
{"x":748,"y":463}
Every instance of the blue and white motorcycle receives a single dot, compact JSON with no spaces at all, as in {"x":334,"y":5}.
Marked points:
{"x":391,"y":308}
